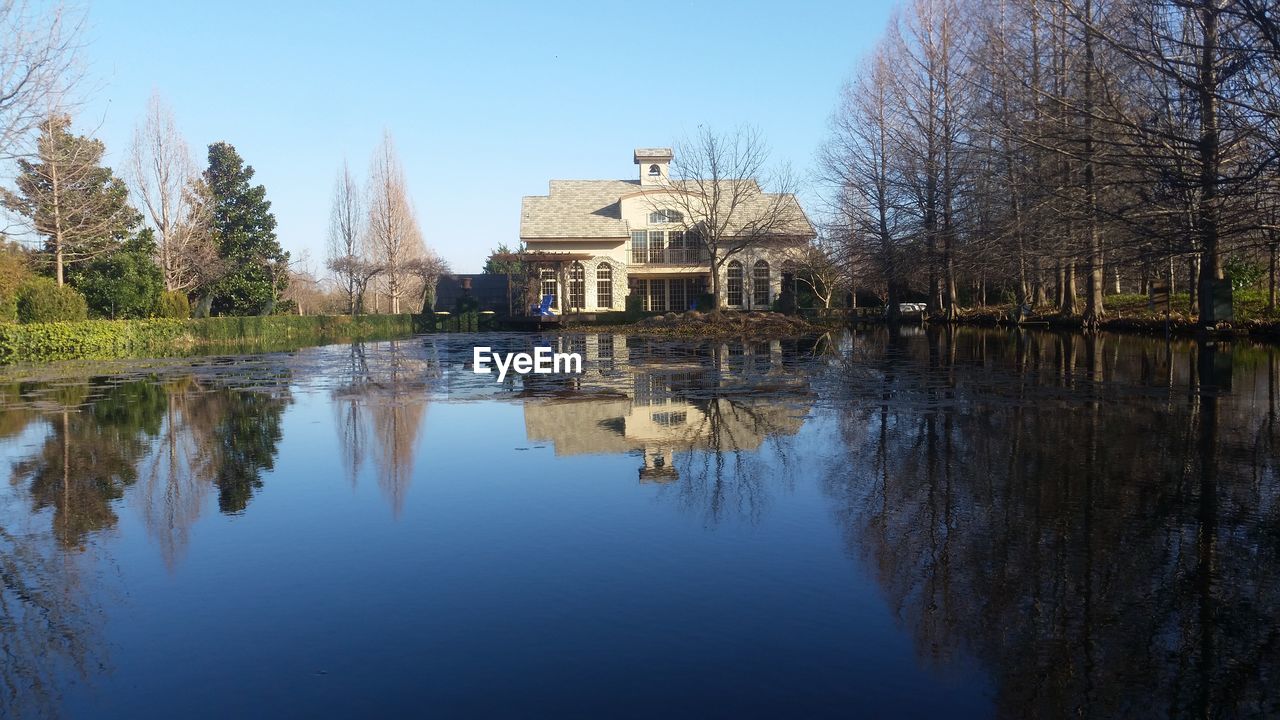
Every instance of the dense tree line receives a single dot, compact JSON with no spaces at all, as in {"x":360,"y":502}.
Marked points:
{"x":1015,"y":150}
{"x":210,"y":243}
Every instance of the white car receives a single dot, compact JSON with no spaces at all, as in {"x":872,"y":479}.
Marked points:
{"x":904,"y":308}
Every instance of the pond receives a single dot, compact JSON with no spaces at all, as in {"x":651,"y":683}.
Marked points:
{"x":964,"y":523}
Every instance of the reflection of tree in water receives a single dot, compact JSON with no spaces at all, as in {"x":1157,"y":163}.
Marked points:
{"x":745,"y":406}
{"x":180,"y":436}
{"x":1108,"y":552}
{"x":730,"y":472}
{"x":380,"y":407}
{"x":90,"y":456}
{"x":47,"y":619}
{"x":244,"y":443}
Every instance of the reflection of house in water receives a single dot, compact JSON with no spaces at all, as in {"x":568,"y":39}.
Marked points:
{"x":723,"y":397}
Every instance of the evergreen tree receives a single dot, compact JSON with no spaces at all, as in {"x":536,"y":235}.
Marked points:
{"x":244,"y":230}
{"x":500,"y":261}
{"x":125,"y":283}
{"x":78,"y":206}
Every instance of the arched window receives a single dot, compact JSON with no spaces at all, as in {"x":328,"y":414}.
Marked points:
{"x":658,"y":217}
{"x":760,"y":284}
{"x":604,"y":286}
{"x":577,"y":286}
{"x":547,"y":283}
{"x":654,"y":171}
{"x":733,"y":296}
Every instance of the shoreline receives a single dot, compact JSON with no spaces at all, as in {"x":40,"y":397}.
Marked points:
{"x":1176,"y":325}
{"x":160,"y":337}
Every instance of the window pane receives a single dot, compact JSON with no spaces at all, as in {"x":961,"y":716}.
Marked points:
{"x":679,"y":296}
{"x":760,"y":283}
{"x":604,"y":287}
{"x":548,"y":284}
{"x":656,"y":240}
{"x":657,"y":295}
{"x":639,"y":245}
{"x":734,"y":284}
{"x":577,"y":286}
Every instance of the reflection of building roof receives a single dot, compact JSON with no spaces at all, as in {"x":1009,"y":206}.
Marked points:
{"x":577,"y":427}
{"x":615,"y":426}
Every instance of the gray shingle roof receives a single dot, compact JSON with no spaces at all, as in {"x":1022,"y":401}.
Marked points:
{"x":591,"y":209}
{"x":652,"y":153}
{"x":577,"y":209}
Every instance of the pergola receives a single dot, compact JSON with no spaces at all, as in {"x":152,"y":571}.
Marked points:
{"x":534,"y":261}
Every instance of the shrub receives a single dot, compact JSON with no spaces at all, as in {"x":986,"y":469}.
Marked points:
{"x":174,"y":304}
{"x":635,"y":306}
{"x":43,"y":300}
{"x":123,"y":284}
{"x":1243,"y":273}
{"x":13,"y":272}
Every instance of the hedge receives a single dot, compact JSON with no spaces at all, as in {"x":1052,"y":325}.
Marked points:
{"x":124,"y":338}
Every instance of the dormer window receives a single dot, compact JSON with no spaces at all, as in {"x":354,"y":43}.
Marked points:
{"x":654,"y":171}
{"x":659,"y":217}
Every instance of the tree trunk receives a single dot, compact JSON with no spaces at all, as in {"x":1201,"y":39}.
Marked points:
{"x":1093,"y":304}
{"x":1193,"y":283}
{"x":716,"y":300}
{"x":1207,"y":150}
{"x":1067,"y":305}
{"x":1271,"y":279}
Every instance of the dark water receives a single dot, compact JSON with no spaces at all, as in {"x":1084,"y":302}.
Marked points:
{"x":965,"y":524}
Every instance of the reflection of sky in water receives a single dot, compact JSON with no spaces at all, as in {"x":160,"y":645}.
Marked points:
{"x":913,"y":527}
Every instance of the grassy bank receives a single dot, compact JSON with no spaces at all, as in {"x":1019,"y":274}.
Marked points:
{"x":99,"y":339}
{"x":1133,"y":313}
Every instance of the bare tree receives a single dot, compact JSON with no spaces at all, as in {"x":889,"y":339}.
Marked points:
{"x":168,"y":187}
{"x":393,"y":233}
{"x":1023,"y":144}
{"x":426,"y":270}
{"x":347,"y":258}
{"x":819,"y":265}
{"x":37,"y":66}
{"x":718,"y":197}
{"x":861,"y":163}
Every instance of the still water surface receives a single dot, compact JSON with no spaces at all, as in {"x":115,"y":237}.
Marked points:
{"x":952,"y":524}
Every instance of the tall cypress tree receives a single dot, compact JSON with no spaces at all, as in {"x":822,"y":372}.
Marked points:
{"x":245,"y":233}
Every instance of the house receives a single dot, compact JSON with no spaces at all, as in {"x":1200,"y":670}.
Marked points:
{"x":594,"y":242}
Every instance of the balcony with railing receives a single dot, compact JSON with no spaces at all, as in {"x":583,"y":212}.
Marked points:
{"x":668,"y":256}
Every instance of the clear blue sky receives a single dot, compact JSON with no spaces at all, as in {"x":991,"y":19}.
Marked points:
{"x":487,"y":101}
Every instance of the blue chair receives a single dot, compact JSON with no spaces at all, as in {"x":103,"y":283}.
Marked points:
{"x":544,"y":310}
